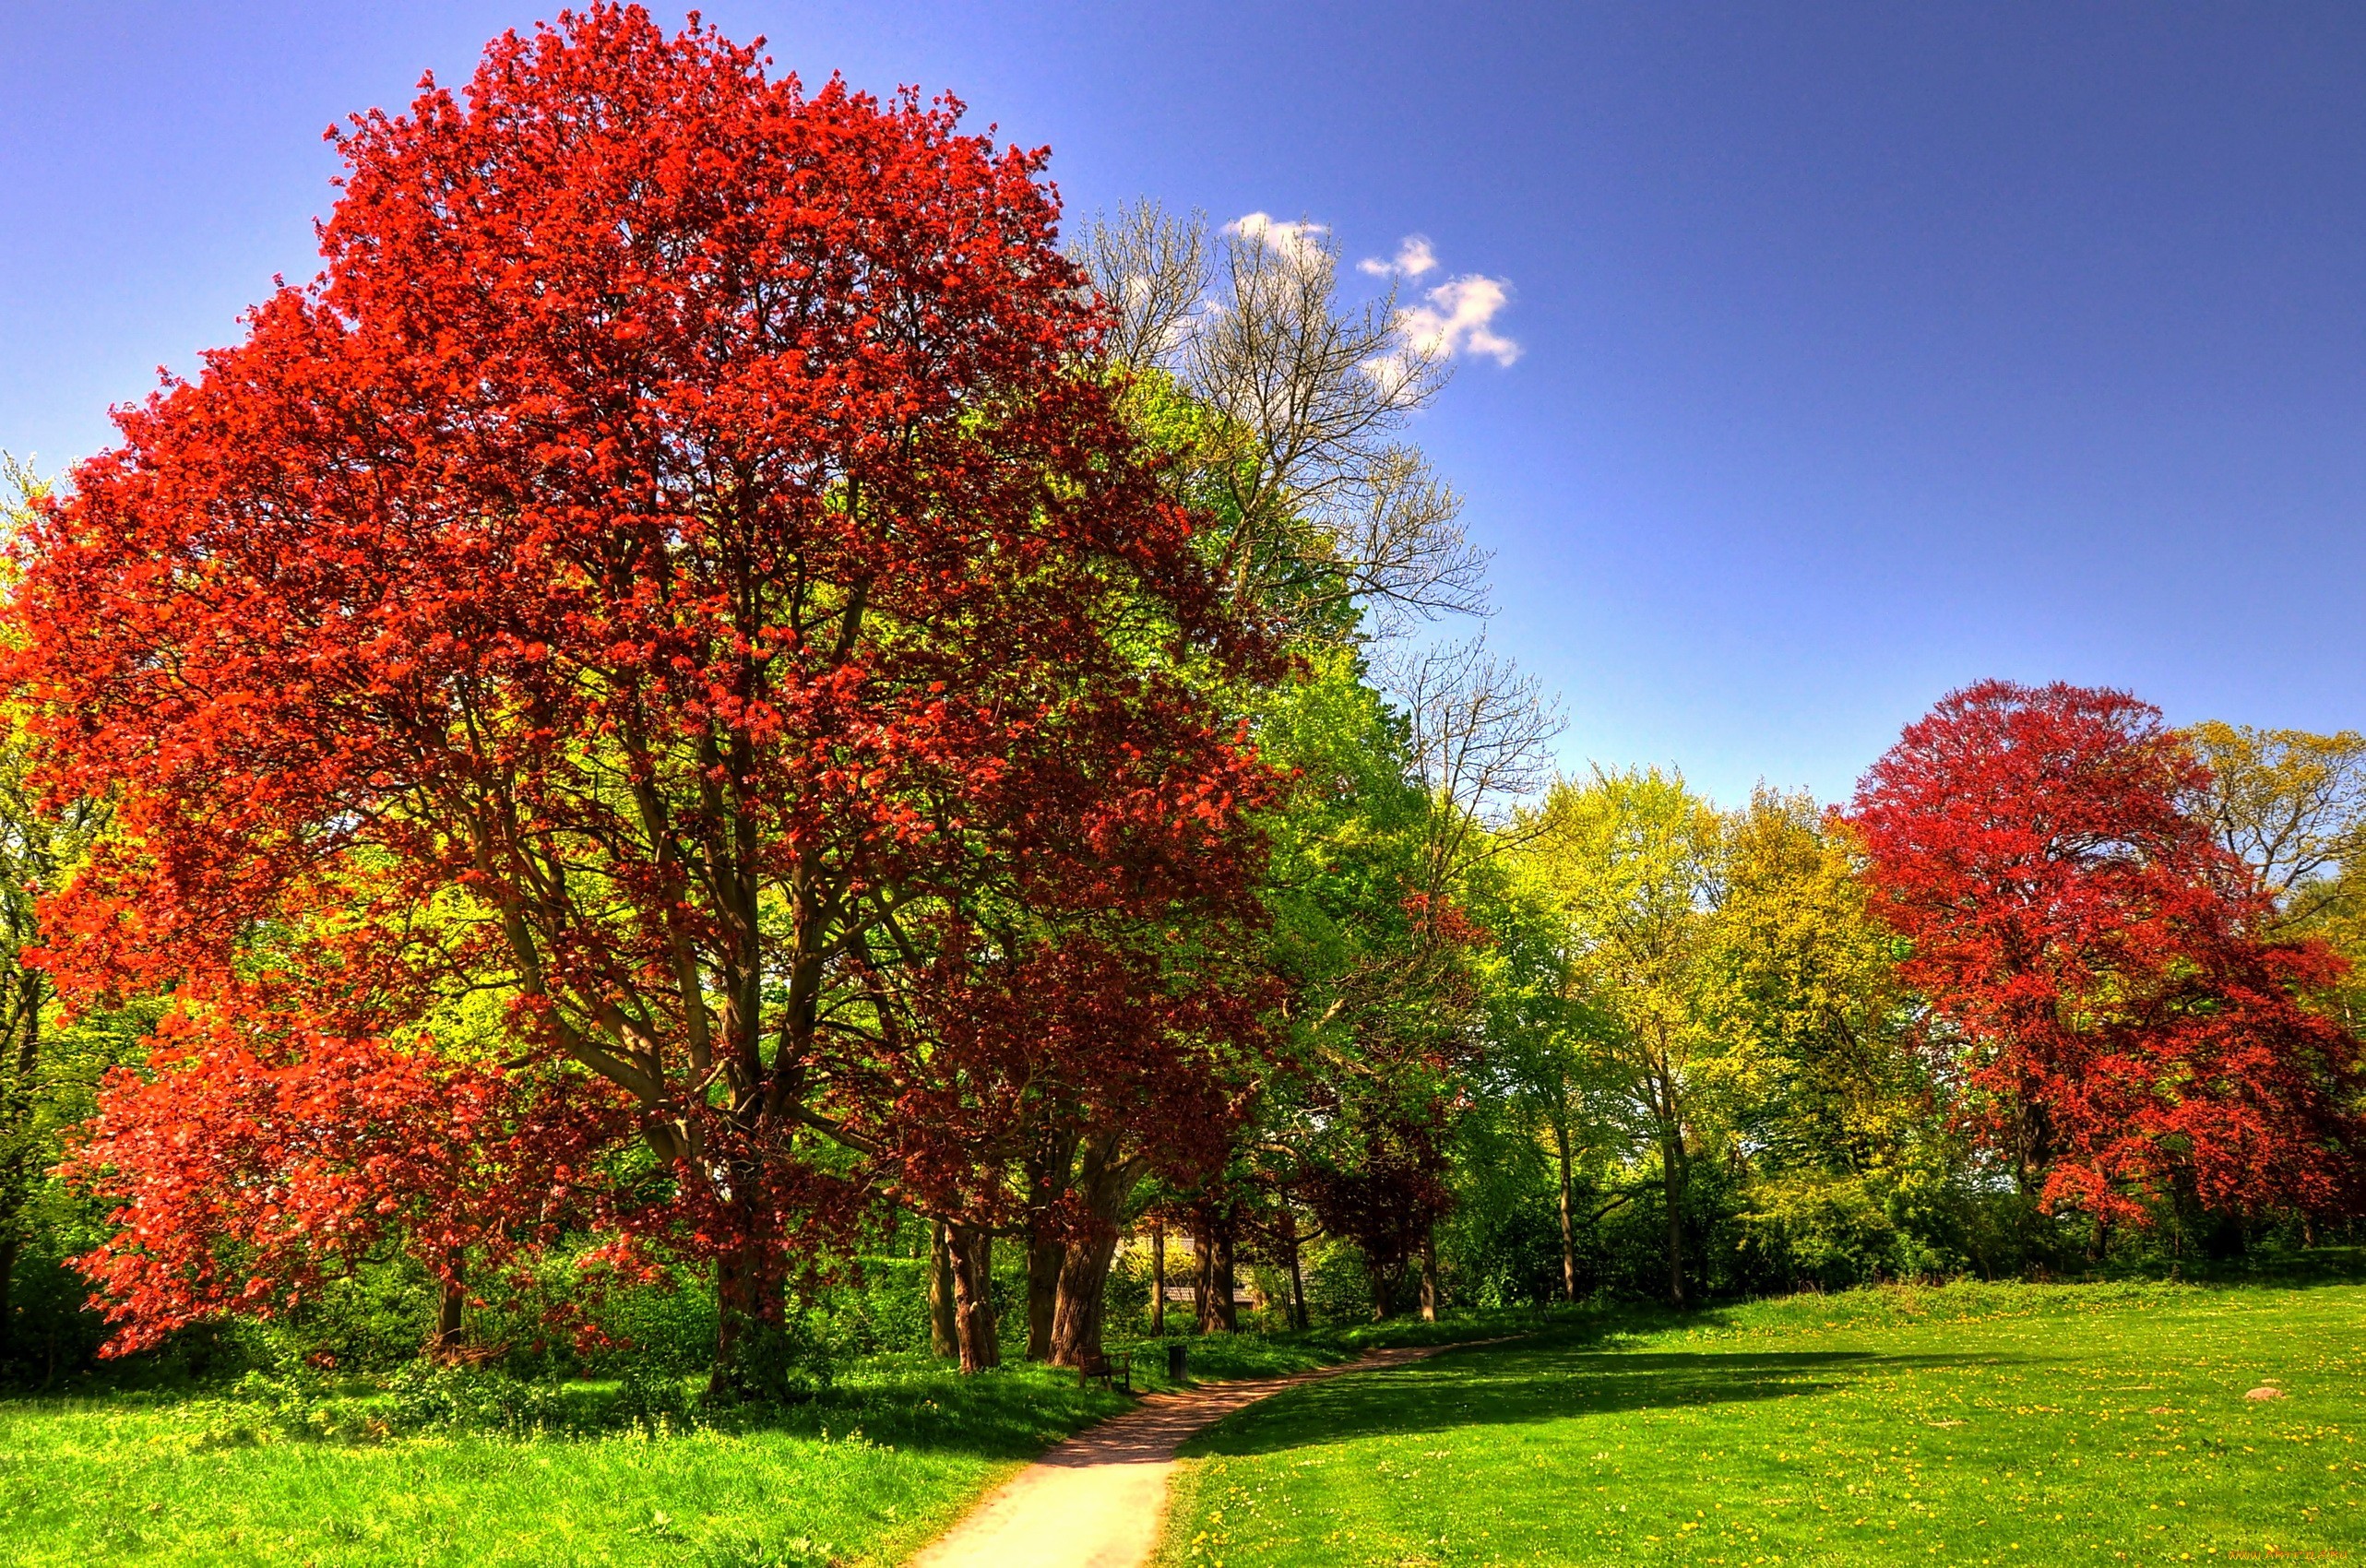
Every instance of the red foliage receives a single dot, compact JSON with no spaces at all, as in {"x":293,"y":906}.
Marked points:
{"x":247,"y":1176}
{"x":1386,"y":1196}
{"x":1060,"y":1037}
{"x":674,"y":563}
{"x":2128,"y":1033}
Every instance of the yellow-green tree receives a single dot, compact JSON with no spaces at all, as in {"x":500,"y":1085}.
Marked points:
{"x":1632,"y":862}
{"x":1842,"y":1140}
{"x":2293,"y":805}
{"x":1545,"y":1061}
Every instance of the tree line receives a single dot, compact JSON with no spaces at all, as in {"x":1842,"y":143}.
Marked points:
{"x":707,"y":683}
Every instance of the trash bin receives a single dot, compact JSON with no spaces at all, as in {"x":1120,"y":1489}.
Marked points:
{"x":1175,"y":1361}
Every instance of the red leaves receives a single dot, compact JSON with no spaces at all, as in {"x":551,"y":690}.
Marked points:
{"x":673,"y":567}
{"x":247,"y":1174}
{"x":2127,"y":1032}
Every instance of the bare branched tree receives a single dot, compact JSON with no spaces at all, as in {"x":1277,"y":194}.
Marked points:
{"x":1481,"y":734}
{"x":1152,"y":269}
{"x":1324,"y":506}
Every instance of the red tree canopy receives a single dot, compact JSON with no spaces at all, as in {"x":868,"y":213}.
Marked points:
{"x":2126,"y":1032}
{"x":675,"y":567}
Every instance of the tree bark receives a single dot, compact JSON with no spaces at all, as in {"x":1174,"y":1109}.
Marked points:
{"x":1568,"y":1226}
{"x":1297,"y":1270}
{"x":1212,"y":1240}
{"x":1084,"y":1299}
{"x":1228,"y":1312}
{"x":11,"y":1244}
{"x":1050,"y":1170}
{"x":1046,"y":1258}
{"x":1430,"y":1273}
{"x":1157,"y":1279}
{"x":749,"y":1280}
{"x":1672,"y":1164}
{"x":944,"y":1339}
{"x":447,"y":1319}
{"x":15,"y":1187}
{"x":973,"y":1298}
{"x":1104,"y":1181}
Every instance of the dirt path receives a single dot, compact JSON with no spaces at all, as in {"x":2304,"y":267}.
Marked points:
{"x":1096,"y":1499}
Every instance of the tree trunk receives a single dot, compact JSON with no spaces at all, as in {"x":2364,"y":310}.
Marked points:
{"x":1157,"y":1279}
{"x":1228,"y":1310}
{"x":13,"y":1180}
{"x":1045,"y":1257}
{"x":1297,"y":1271}
{"x":1049,"y":1170}
{"x":446,"y":1342}
{"x":1430,"y":1273}
{"x":1104,"y":1181}
{"x":11,"y":1244}
{"x":1568,"y":1226}
{"x":749,"y":1281}
{"x":973,"y":1298}
{"x":1212,"y":1240}
{"x":1672,"y":1172}
{"x":1084,"y":1299}
{"x":944,"y":1339}
{"x":1203,"y":1278}
{"x":1384,"y":1290}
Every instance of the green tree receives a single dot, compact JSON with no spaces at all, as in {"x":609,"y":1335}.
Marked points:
{"x":1850,"y":1159}
{"x":1548,"y":1065}
{"x":1632,"y":860}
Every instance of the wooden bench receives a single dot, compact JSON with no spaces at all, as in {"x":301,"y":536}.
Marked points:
{"x":1112,"y":1374}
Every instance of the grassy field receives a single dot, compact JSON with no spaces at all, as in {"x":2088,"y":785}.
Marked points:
{"x":178,"y":1481}
{"x":861,"y":1475}
{"x":2014,"y":1424}
{"x":2025,"y":1425}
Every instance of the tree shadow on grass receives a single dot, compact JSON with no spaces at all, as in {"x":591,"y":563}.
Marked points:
{"x":1510,"y":1384}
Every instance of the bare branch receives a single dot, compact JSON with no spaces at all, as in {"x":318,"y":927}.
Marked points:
{"x":1400,"y":545}
{"x":1152,"y":269}
{"x":1482,"y":739}
{"x":1325,"y":508}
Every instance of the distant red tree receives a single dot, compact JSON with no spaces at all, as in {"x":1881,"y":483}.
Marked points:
{"x":675,"y":564}
{"x":1386,"y":1198}
{"x":2126,"y":1031}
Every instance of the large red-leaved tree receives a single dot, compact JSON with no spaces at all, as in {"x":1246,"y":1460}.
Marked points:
{"x":674,"y":569}
{"x":2126,"y":1032}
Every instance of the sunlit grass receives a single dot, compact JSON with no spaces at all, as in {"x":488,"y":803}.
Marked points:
{"x":2011,"y":1425}
{"x":1976,"y":1424}
{"x":861,"y":1476}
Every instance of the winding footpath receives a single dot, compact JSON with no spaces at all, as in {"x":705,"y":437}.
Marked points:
{"x":1097,"y":1501}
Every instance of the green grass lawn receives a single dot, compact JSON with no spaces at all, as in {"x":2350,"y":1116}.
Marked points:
{"x":2016,"y":1424}
{"x":862,"y":1475}
{"x":2009,"y":1424}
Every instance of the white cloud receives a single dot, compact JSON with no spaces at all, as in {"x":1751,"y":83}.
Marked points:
{"x":1413,"y":257}
{"x":1295,"y":242}
{"x":1459,"y":319}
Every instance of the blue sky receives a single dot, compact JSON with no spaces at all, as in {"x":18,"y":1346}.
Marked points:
{"x":1863,"y":351}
